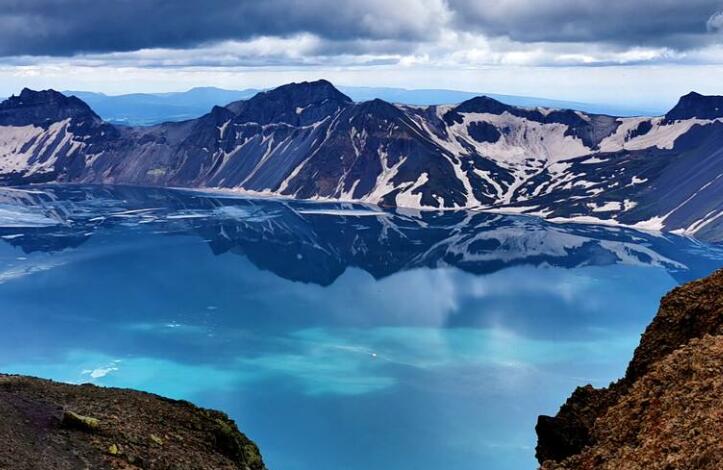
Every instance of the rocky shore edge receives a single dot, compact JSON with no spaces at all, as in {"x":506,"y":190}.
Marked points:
{"x":46,"y":424}
{"x":667,"y":411}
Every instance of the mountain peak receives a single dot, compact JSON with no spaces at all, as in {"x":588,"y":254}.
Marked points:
{"x":483,"y":104}
{"x":42,"y":108}
{"x":379,"y":108}
{"x":295,"y":103}
{"x":694,"y":105}
{"x":478,"y":104}
{"x":308,"y":92}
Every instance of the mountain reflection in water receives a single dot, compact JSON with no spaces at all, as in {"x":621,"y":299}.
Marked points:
{"x":339,"y":336}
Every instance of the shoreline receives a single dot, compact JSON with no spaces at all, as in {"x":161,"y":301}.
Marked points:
{"x":402,"y":210}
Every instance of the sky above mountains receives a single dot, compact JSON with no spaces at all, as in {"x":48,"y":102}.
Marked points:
{"x":642,"y":53}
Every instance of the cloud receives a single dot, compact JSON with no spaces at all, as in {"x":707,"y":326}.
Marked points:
{"x":67,"y":27}
{"x":715,"y":22}
{"x":659,"y":23}
{"x":354,"y":33}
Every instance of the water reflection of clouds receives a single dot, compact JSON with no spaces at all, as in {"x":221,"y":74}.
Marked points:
{"x":346,"y":361}
{"x":359,"y":337}
{"x":426,"y":348}
{"x":553,"y":303}
{"x":13,"y":271}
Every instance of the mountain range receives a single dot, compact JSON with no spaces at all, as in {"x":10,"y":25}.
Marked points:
{"x":142,"y":109}
{"x":311,"y":141}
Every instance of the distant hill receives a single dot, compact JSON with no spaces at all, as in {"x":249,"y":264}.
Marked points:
{"x":143,"y":109}
{"x":425,"y":97}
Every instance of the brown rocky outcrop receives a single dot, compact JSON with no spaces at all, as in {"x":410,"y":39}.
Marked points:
{"x":45,"y":424}
{"x":667,"y":412}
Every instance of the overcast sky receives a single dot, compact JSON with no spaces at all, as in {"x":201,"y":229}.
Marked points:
{"x":643,"y":52}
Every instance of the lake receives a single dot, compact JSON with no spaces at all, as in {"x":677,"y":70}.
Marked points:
{"x":338,"y":336}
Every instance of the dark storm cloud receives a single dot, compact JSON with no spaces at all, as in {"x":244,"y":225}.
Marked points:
{"x":676,"y":24}
{"x":66,"y":27}
{"x":352,"y":27}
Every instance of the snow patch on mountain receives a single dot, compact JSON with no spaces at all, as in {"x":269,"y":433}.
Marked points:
{"x":661,"y":134}
{"x":521,"y":139}
{"x":310,"y":141}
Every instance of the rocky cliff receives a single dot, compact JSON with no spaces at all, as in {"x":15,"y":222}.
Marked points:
{"x":667,"y":412}
{"x":51,"y":425}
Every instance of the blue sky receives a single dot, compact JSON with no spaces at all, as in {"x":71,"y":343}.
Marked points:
{"x":643,"y":53}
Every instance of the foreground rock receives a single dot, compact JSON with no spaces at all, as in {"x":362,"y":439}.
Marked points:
{"x":667,"y":412}
{"x":45,"y":424}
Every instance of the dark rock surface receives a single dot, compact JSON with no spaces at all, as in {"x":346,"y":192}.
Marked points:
{"x":51,"y":425}
{"x":667,"y":412}
{"x":695,"y":105}
{"x":42,"y":108}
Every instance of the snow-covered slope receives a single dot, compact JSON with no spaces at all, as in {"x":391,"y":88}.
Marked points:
{"x":310,"y":141}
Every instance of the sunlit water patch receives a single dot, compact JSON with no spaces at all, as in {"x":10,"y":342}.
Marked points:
{"x":336,"y":335}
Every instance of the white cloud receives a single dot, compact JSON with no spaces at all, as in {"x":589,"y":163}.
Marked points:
{"x":449,"y":49}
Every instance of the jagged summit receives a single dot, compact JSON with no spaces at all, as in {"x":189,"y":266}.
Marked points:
{"x":42,"y":108}
{"x":696,"y":106}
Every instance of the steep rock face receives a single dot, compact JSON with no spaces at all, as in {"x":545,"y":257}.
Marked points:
{"x":310,"y":141}
{"x":688,"y":312}
{"x":373,"y":151}
{"x":45,"y":136}
{"x":666,"y":411}
{"x":670,"y":418}
{"x":47,"y":424}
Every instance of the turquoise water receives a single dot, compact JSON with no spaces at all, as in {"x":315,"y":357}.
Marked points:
{"x":337,"y":336}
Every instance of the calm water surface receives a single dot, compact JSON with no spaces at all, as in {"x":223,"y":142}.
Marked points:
{"x":337,"y":336}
